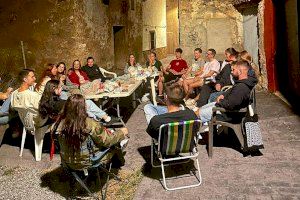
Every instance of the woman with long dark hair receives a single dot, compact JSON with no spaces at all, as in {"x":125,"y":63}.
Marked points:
{"x":51,"y":104}
{"x":50,"y":73}
{"x":131,"y":66}
{"x":75,"y":128}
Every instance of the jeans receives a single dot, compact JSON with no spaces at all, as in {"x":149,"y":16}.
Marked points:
{"x":93,"y":110}
{"x":152,"y":110}
{"x":214,"y":96}
{"x":206,"y":112}
{"x":5,"y":106}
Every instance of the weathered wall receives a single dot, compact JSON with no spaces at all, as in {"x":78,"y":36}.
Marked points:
{"x":154,"y":19}
{"x":65,"y":30}
{"x":209,"y":24}
{"x":172,"y":26}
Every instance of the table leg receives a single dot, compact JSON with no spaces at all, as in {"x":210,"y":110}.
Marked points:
{"x":134,"y":100}
{"x":118,"y":111}
{"x":153,"y":91}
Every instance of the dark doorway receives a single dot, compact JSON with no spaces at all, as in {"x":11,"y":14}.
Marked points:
{"x":287,"y":50}
{"x":120,"y":48}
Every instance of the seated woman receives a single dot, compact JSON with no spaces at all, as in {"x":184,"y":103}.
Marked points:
{"x":75,"y":128}
{"x":245,"y":55}
{"x":4,"y":109}
{"x":61,"y":72}
{"x":50,"y":73}
{"x":131,"y":66}
{"x":80,"y":79}
{"x":51,"y":104}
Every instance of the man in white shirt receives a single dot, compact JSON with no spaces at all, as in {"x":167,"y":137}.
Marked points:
{"x":208,"y":72}
{"x":23,"y":97}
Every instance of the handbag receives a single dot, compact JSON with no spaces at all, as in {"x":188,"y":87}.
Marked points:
{"x":251,"y":132}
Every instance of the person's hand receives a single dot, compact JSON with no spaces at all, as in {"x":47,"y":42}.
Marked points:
{"x":218,"y":87}
{"x":124,"y":130}
{"x":220,"y":98}
{"x":62,"y":78}
{"x":9,"y":90}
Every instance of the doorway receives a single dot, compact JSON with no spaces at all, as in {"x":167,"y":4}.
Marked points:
{"x":120,"y":48}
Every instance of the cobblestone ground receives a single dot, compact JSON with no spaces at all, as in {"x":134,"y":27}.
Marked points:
{"x":228,"y":175}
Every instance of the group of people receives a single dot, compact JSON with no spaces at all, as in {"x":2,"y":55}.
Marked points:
{"x":58,"y":97}
{"x":52,"y":100}
{"x":237,"y":71}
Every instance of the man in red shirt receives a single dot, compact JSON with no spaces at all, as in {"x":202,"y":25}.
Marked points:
{"x":176,"y":67}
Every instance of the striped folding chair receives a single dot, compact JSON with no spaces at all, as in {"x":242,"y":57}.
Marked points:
{"x":177,"y":142}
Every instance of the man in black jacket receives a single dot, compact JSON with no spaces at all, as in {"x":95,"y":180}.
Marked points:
{"x":92,"y":70}
{"x":235,"y":98}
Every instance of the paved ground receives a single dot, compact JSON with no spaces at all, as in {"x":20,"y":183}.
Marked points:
{"x":228,"y":175}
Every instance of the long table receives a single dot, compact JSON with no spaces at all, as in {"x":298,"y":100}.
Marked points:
{"x":117,"y":95}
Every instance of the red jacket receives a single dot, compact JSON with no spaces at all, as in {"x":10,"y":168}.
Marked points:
{"x":75,"y":79}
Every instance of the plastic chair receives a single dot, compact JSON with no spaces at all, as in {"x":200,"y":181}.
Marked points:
{"x":177,"y":142}
{"x":104,"y":71}
{"x":27,"y":118}
{"x":95,"y":158}
{"x":237,"y":127}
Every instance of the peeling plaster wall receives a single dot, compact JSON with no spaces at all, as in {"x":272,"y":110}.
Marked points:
{"x":209,"y":24}
{"x":263,"y":80}
{"x":65,"y":30}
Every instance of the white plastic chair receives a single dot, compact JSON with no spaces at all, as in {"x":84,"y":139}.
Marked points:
{"x":104,"y":71}
{"x":27,"y":118}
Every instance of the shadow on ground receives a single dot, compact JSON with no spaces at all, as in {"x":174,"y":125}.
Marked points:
{"x":62,"y":182}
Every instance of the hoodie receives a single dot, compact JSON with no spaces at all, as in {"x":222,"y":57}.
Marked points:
{"x":238,"y":96}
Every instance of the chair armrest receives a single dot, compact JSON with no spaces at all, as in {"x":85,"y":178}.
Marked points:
{"x":215,"y":109}
{"x":103,"y":71}
{"x":227,"y":87}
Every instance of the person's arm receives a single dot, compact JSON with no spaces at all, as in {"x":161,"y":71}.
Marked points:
{"x":233,"y":99}
{"x":5,"y":95}
{"x":209,"y":74}
{"x":166,"y":69}
{"x":104,"y":137}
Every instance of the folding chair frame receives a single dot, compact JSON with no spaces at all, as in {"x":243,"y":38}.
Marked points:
{"x":192,"y":155}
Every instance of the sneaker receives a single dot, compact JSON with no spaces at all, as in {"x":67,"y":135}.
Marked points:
{"x":112,"y":121}
{"x":204,"y":129}
{"x":124,"y":143}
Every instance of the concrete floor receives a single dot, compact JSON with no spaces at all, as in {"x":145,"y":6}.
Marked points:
{"x":228,"y":175}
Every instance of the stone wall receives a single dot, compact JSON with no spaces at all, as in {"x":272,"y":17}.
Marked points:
{"x":65,"y":30}
{"x":209,"y":24}
{"x":154,"y":19}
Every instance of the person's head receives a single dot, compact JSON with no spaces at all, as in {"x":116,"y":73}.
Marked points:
{"x":74,"y":127}
{"x":174,"y":94}
{"x":50,"y":71}
{"x":76,"y":65}
{"x":178,"y":53}
{"x":131,"y":60}
{"x":239,"y":69}
{"x":61,"y":68}
{"x":26,"y":76}
{"x":210,"y":54}
{"x":52,"y":89}
{"x":245,"y":55}
{"x":152,"y":56}
{"x":197,"y":53}
{"x":231,"y":54}
{"x":90,"y":61}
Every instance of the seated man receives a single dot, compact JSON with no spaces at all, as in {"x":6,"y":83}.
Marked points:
{"x":233,"y":99}
{"x":209,"y":71}
{"x":174,"y":112}
{"x":176,"y":68}
{"x":92,"y":70}
{"x":224,"y":78}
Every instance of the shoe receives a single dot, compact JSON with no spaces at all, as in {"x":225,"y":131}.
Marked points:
{"x":124,"y":143}
{"x":112,"y":121}
{"x":204,"y":129}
